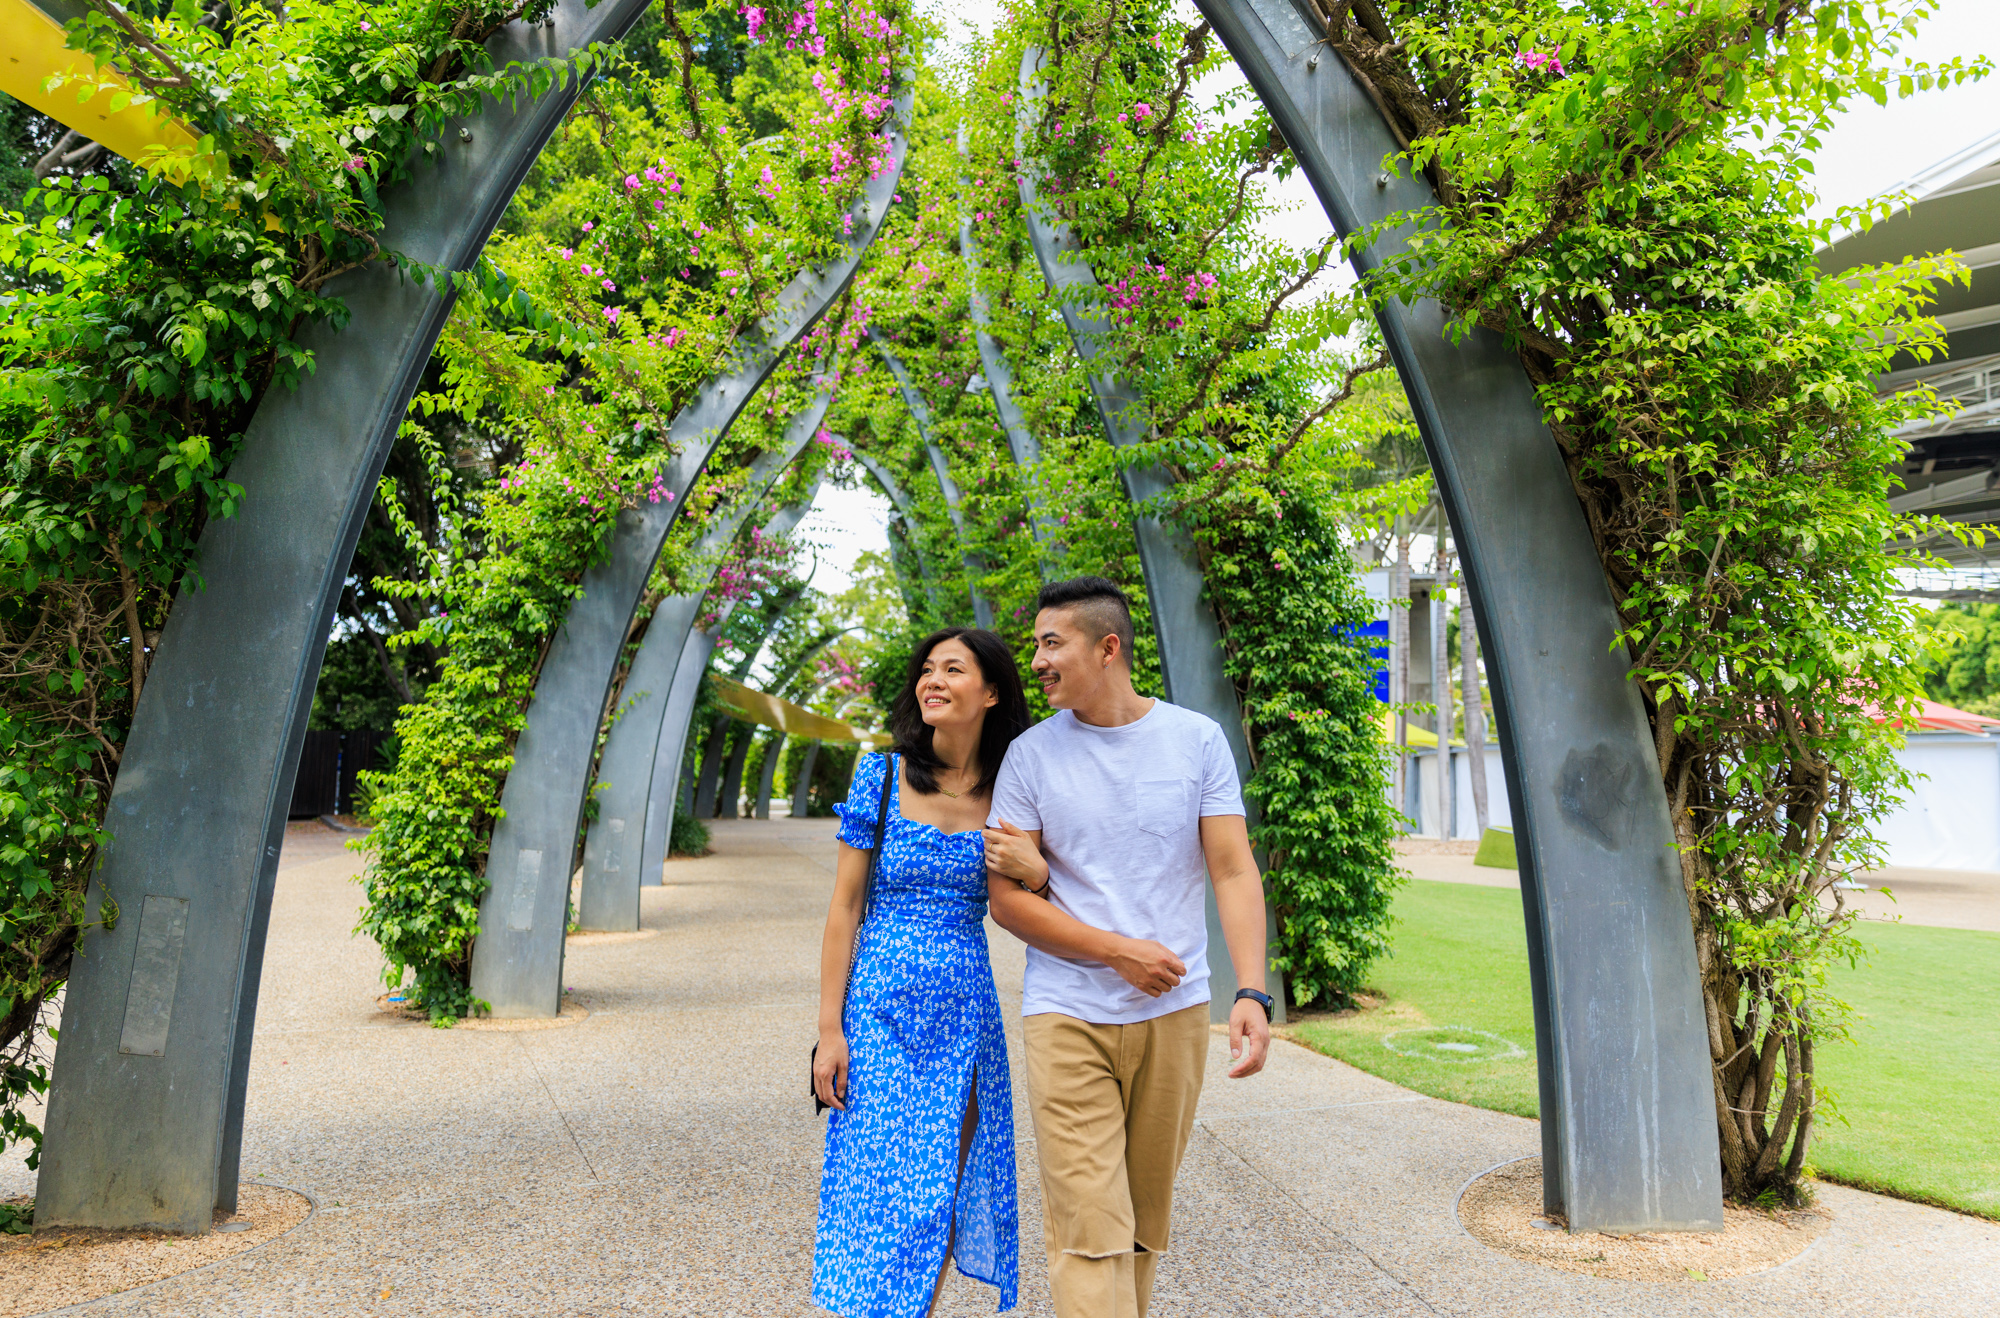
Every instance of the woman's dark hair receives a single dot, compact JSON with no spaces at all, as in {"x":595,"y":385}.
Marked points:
{"x":1007,"y":719}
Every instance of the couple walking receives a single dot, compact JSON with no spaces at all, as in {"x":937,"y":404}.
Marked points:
{"x":1089,"y":836}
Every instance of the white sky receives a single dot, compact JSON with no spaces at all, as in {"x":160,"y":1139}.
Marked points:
{"x":1869,"y":150}
{"x":841,"y":526}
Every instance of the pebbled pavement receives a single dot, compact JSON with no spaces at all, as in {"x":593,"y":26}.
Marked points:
{"x":661,"y":1158}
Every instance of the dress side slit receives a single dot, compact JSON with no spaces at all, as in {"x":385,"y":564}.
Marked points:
{"x":968,"y":1130}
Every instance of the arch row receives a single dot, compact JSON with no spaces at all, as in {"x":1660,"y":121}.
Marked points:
{"x":144,"y":1123}
{"x":143,"y":1133}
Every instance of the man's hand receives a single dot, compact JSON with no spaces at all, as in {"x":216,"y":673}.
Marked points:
{"x":1249,"y":1038}
{"x":1150,"y":967}
{"x":1013,"y":854}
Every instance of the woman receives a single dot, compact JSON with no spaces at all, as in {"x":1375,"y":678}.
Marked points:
{"x":920,"y":1148}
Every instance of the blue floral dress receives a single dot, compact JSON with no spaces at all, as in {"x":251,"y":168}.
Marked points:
{"x":923,"y":1025}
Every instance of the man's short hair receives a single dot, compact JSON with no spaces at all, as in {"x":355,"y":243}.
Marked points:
{"x":1099,"y":607}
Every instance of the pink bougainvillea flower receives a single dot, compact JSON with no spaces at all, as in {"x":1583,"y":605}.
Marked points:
{"x":364,"y":27}
{"x":1536,"y":60}
{"x":588,"y":225}
{"x":1141,"y":110}
{"x":611,"y":314}
{"x":354,"y":163}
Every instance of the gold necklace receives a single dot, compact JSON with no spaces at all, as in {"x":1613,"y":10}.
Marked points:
{"x":946,"y":790}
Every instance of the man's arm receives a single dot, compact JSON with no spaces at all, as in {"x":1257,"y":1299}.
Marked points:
{"x":1239,"y":903}
{"x":1147,"y":966}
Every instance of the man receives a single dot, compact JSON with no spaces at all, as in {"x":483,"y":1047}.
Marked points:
{"x":1105,"y":819}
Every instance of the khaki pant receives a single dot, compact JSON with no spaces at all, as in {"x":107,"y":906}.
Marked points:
{"x":1113,"y":1108}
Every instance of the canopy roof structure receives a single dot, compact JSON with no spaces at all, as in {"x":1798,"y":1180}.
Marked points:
{"x":36,"y":51}
{"x":754,"y":706}
{"x":1950,"y":469}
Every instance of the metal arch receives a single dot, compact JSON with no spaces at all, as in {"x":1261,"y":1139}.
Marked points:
{"x":670,"y":745}
{"x":613,"y":870}
{"x":517,"y":959}
{"x":1190,"y":640}
{"x":712,"y":778}
{"x":999,"y":373}
{"x":144,"y":1125}
{"x":920,"y":412}
{"x":905,"y":513}
{"x":1628,"y":1112}
{"x":774,"y":746}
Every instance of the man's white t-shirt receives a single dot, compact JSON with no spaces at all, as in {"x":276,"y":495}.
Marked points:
{"x":1120,"y":812}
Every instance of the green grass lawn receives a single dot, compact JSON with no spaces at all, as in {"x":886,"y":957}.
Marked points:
{"x":1919,"y":1089}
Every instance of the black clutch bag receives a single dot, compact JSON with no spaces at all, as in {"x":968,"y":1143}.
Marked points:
{"x":867,"y":901}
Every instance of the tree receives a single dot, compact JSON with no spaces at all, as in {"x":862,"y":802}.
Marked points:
{"x":1623,"y":192}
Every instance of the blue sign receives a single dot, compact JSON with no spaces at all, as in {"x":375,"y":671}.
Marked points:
{"x":1379,"y":631}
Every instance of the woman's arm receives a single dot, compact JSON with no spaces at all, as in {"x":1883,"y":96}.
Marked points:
{"x":836,"y":958}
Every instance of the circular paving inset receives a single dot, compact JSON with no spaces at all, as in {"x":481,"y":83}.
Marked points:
{"x":58,"y":1267}
{"x":1452,"y":1044}
{"x":573,"y":1013}
{"x":1503,"y":1210}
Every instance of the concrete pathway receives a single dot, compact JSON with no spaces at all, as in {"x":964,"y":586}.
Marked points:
{"x":661,"y":1157}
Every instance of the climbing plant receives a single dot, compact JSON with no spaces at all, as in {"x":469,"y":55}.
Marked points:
{"x":588,"y":331}
{"x":1623,"y":191}
{"x":1248,"y":359}
{"x":141,"y":327}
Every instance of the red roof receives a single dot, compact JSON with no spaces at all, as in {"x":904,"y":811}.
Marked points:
{"x":1943,"y":718}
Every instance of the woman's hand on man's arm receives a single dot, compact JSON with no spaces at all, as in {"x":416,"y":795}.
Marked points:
{"x":1012,"y":853}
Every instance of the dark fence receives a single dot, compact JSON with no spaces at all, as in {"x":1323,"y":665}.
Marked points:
{"x":328,"y":769}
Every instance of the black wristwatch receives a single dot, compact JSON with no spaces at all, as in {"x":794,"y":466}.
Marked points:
{"x":1261,"y":999}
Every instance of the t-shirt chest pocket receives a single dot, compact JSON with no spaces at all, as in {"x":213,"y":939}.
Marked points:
{"x":1162,"y":807}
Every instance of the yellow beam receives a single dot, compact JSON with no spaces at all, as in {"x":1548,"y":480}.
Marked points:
{"x":1419,"y":738}
{"x":769,"y":711}
{"x":34,"y":51}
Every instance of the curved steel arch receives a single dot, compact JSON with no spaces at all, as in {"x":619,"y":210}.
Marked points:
{"x":1190,"y":640}
{"x":1628,"y":1114}
{"x":613,"y":850}
{"x":999,"y":373}
{"x":691,"y":661}
{"x":517,"y":960}
{"x":144,"y":1126}
{"x":711,"y":784}
{"x":920,"y":413}
{"x":899,"y":498}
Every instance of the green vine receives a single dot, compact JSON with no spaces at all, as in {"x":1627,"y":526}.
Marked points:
{"x":1623,"y":193}
{"x":141,"y":330}
{"x":613,"y":301}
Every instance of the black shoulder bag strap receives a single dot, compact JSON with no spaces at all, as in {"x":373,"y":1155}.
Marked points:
{"x":867,"y":904}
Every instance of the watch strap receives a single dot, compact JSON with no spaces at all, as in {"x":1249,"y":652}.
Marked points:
{"x":1263,"y":1000}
